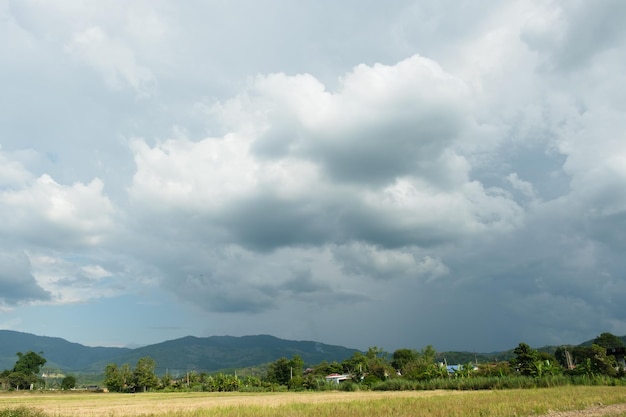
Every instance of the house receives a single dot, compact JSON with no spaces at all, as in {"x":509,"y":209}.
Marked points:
{"x":337,"y":378}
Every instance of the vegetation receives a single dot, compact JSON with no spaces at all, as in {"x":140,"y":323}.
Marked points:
{"x":69,"y":382}
{"x":404,"y":370}
{"x":25,"y":372}
{"x":286,"y":372}
{"x":124,"y":379}
{"x":374,"y":370}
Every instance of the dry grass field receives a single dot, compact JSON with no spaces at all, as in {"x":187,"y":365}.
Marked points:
{"x":561,"y":401}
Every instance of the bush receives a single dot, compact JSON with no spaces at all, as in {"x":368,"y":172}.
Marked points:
{"x":492,"y":382}
{"x":349,"y":386}
{"x":371,"y":380}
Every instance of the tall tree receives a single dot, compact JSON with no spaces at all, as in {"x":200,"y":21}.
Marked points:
{"x":525,"y":360}
{"x":68,"y":382}
{"x":423,"y":367}
{"x":279,"y":372}
{"x":356,"y":366}
{"x":403,"y":357}
{"x":378,"y":366}
{"x":143,"y":375}
{"x":26,"y":370}
{"x":597,"y":362}
{"x":118,"y":378}
{"x":283,"y":370}
{"x":29,"y":363}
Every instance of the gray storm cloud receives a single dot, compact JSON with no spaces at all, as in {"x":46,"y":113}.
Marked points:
{"x":303,"y":170}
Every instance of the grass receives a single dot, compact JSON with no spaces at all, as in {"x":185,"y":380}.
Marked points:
{"x":515,"y":402}
{"x":493,"y":382}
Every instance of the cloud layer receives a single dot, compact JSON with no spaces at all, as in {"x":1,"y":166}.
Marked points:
{"x":425,"y":183}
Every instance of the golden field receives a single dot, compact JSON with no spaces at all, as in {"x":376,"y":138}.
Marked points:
{"x":529,"y":402}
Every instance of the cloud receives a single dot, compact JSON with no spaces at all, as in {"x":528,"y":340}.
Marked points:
{"x":47,"y":220}
{"x":270,"y":189}
{"x":12,"y":173}
{"x":270,"y":185}
{"x":408,"y":114}
{"x":389,"y":264}
{"x":17,"y":284}
{"x":70,"y":282}
{"x":301,"y":171}
{"x":570,"y":35}
{"x":113,"y":59}
{"x":524,"y":187}
{"x":44,"y":212}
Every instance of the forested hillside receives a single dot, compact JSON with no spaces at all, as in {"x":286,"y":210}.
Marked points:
{"x":228,"y":352}
{"x":188,"y":353}
{"x":59,"y":352}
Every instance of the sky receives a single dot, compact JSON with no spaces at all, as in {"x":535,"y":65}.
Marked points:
{"x":358,"y":173}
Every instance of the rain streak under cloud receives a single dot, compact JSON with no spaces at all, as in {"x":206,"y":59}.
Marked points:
{"x":354,"y":173}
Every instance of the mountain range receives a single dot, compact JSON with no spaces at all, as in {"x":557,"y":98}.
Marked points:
{"x":201,"y":354}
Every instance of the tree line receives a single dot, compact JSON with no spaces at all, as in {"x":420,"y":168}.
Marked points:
{"x":375,"y":367}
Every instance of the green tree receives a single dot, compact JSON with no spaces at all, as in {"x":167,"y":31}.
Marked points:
{"x":29,"y":363}
{"x":4,"y":379}
{"x":593,"y":361}
{"x":378,"y":367}
{"x":525,"y":360}
{"x":356,"y":366}
{"x":325,"y":368}
{"x":283,"y":370}
{"x":26,"y":370}
{"x":580,"y":354}
{"x":402,"y":357}
{"x":494,"y":369}
{"x":601,"y":363}
{"x":68,"y":382}
{"x":19,"y":381}
{"x":112,"y":378}
{"x":118,"y":378}
{"x":608,"y":341}
{"x":143,"y":375}
{"x":297,"y":365}
{"x":370,"y":367}
{"x":424,"y":367}
{"x":279,"y":372}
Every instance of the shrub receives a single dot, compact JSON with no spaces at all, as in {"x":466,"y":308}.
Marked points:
{"x":349,"y":386}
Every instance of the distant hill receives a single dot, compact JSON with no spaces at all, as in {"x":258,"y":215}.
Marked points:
{"x":460,"y":358}
{"x":202,"y":354}
{"x":227,"y":352}
{"x":456,"y":358}
{"x":58,"y":352}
